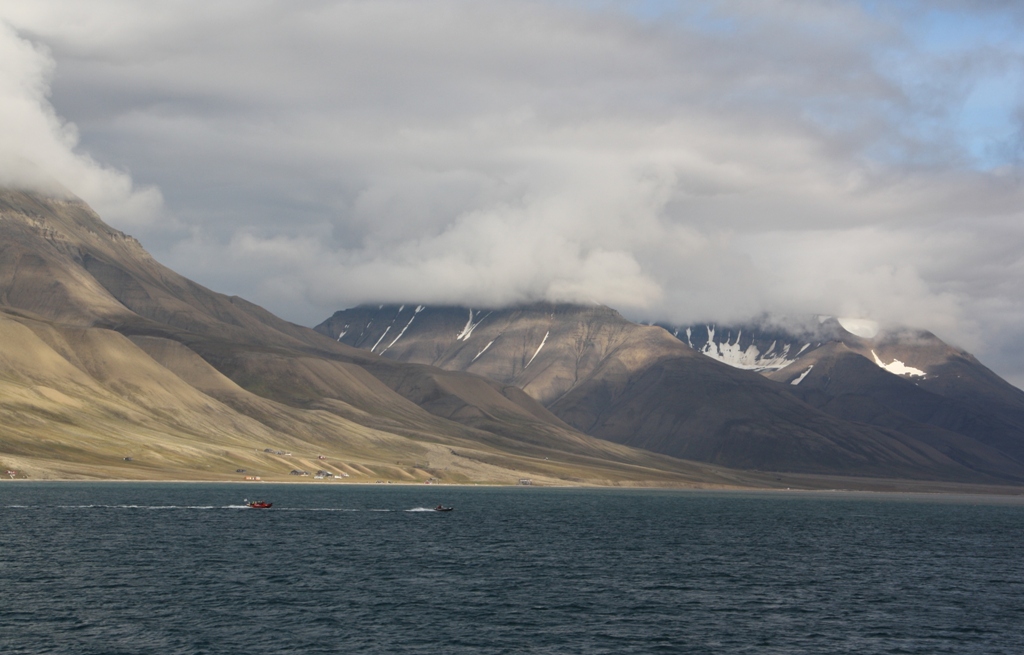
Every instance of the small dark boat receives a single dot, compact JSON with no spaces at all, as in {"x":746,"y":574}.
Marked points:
{"x":442,"y":508}
{"x":259,"y":504}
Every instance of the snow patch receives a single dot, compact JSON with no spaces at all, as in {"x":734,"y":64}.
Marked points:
{"x":386,"y":330}
{"x":750,"y":358}
{"x":688,"y":333}
{"x":898,"y":368}
{"x":470,"y":326}
{"x":802,"y":376}
{"x":482,"y":352}
{"x":543,"y":341}
{"x":399,"y":334}
{"x":343,"y":332}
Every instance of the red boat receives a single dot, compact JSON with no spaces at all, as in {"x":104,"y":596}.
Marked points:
{"x":259,"y":504}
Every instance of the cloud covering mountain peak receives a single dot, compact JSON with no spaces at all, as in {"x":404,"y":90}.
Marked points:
{"x":688,"y":161}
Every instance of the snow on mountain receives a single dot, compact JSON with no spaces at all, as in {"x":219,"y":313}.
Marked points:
{"x":467,"y":331}
{"x":819,"y":394}
{"x":767,"y":347}
{"x":537,"y":352}
{"x":477,"y":356}
{"x":898,"y":368}
{"x":413,"y":318}
{"x":802,"y":376}
{"x":746,"y":347}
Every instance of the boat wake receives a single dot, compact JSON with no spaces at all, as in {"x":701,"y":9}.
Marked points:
{"x":328,"y":509}
{"x":211,"y":507}
{"x":138,"y":507}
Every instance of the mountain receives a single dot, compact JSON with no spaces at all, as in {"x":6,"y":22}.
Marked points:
{"x":113,"y":366}
{"x":648,"y":387}
{"x":894,"y":378}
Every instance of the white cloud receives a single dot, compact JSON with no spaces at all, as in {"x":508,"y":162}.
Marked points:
{"x":722,"y":160}
{"x":38,"y":148}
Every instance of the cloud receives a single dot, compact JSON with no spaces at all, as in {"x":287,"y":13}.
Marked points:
{"x":39,"y":148}
{"x":681,"y":161}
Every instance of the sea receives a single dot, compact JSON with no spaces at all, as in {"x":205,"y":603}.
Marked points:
{"x":163,"y":568}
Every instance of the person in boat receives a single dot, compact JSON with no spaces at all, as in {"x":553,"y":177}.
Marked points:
{"x":439,"y":507}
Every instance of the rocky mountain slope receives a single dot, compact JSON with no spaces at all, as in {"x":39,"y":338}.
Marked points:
{"x":112,"y":365}
{"x":646,"y":386}
{"x":854,"y":370}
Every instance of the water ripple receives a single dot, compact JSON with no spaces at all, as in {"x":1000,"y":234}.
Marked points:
{"x":90,"y":569}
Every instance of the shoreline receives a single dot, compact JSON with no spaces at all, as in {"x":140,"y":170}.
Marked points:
{"x":1011,"y":494}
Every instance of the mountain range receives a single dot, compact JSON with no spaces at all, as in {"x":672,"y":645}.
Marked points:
{"x":811,"y":397}
{"x":114,"y":366}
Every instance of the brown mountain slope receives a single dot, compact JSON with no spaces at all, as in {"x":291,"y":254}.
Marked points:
{"x":640,"y":386}
{"x":76,"y":401}
{"x":61,"y":262}
{"x":143,"y":363}
{"x":546,"y":350}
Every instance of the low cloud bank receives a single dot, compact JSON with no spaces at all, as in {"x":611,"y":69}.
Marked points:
{"x":713,"y":161}
{"x":39,"y":149}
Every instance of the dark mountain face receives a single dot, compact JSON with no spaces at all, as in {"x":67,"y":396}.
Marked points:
{"x":908,"y":380}
{"x":915,"y":355}
{"x":655,"y":389}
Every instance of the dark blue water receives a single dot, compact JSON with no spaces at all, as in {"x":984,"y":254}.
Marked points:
{"x":179,"y":568}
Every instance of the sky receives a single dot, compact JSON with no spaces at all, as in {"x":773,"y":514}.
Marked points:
{"x":679,"y":161}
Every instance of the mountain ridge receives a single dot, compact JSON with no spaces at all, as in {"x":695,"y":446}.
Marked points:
{"x":151,"y":374}
{"x":906,"y":372}
{"x":116,"y":366}
{"x":642,"y":386}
